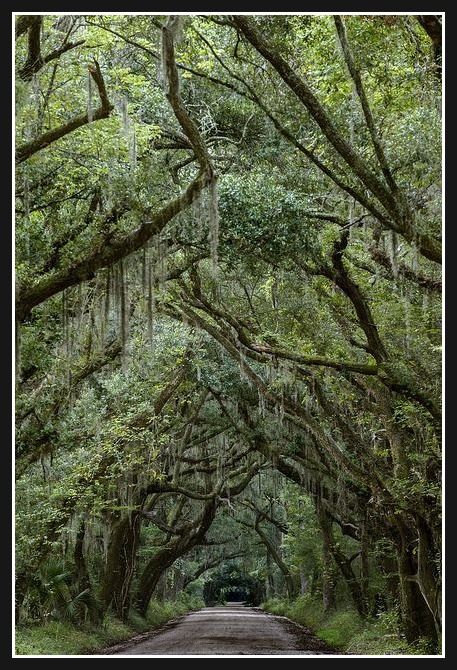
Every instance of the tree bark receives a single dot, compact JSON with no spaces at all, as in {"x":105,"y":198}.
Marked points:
{"x":304,"y":583}
{"x":166,"y":556}
{"x":417,"y":620}
{"x":328,"y":569}
{"x":364,"y":569}
{"x":120,"y":564}
{"x":82,"y":573}
{"x":427,"y":577}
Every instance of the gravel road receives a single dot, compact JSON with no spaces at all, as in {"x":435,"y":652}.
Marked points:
{"x":229,"y":630}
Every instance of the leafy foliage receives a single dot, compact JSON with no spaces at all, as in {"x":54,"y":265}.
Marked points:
{"x":228,"y":305}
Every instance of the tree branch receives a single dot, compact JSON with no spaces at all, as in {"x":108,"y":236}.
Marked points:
{"x":28,"y":149}
{"x":306,"y":96}
{"x":109,"y":253}
{"x":353,"y":292}
{"x":401,"y":217}
{"x":357,"y":79}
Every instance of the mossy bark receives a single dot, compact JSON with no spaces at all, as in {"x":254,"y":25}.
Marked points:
{"x":417,"y":620}
{"x":120,"y":564}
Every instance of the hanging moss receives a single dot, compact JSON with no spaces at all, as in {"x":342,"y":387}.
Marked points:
{"x":90,"y":109}
{"x":213,"y":212}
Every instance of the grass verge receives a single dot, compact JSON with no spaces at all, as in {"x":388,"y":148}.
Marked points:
{"x":346,"y":631}
{"x":59,"y":637}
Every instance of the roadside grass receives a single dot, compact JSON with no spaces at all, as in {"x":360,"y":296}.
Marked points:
{"x":60,"y":637}
{"x":346,"y":631}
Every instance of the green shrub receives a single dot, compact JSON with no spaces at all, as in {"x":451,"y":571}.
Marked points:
{"x":381,"y":636}
{"x":276,"y":606}
{"x":113,"y":630}
{"x":339,"y":628}
{"x":347,"y":631}
{"x":190,"y":601}
{"x":55,"y":637}
{"x":307,"y":611}
{"x":137,"y":621}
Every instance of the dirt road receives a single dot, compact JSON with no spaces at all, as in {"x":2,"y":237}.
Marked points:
{"x":233,"y":629}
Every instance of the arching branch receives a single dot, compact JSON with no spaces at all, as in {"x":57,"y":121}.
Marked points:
{"x":28,"y":149}
{"x":401,"y":216}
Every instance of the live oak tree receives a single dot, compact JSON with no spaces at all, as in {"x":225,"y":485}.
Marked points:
{"x":228,"y":308}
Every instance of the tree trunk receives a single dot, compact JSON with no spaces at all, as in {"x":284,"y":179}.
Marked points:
{"x":328,"y":570}
{"x":82,"y":574}
{"x":427,"y":577}
{"x":154,"y":570}
{"x":417,"y":620}
{"x":21,"y":588}
{"x":352,"y":582}
{"x":270,"y":584}
{"x":166,"y":556}
{"x":120,"y":564}
{"x":314,"y":579}
{"x":161,"y":587}
{"x":344,"y":564}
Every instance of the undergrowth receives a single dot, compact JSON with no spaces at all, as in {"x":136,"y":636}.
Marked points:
{"x":346,"y":631}
{"x":60,"y":637}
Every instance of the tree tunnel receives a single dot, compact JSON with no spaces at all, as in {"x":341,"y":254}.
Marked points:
{"x":228,"y":316}
{"x":232,"y":585}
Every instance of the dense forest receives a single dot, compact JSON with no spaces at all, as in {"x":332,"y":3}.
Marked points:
{"x":228,"y":313}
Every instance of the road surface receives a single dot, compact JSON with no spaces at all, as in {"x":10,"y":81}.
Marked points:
{"x":232,"y":629}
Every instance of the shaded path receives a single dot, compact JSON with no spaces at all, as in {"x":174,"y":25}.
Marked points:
{"x":233,"y":629}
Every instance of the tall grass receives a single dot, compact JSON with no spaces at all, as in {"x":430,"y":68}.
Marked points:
{"x":346,"y":631}
{"x":63,"y":637}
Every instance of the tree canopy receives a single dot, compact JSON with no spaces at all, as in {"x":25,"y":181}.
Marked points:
{"x":228,"y":304}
